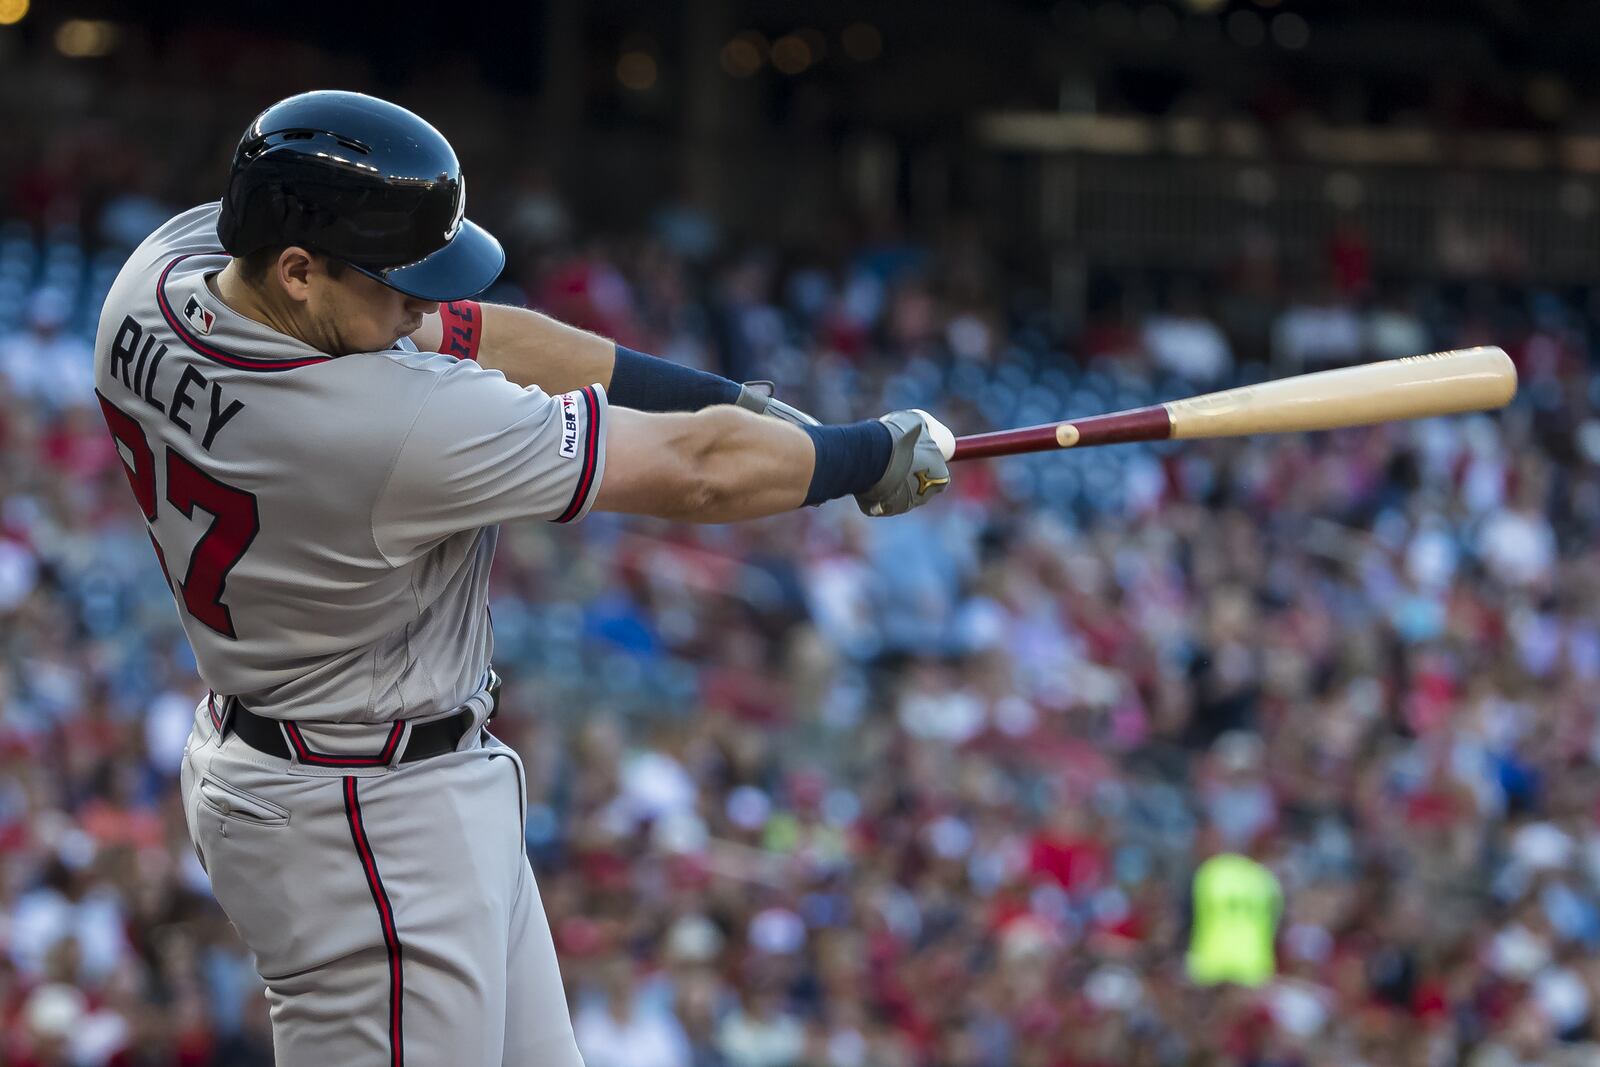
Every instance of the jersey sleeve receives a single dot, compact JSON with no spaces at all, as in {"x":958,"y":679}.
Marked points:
{"x":482,"y":450}
{"x":192,"y":233}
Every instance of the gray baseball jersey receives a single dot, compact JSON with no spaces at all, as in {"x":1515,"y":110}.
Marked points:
{"x":326,"y":525}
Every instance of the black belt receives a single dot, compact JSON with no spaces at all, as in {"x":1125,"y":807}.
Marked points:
{"x":427,"y":739}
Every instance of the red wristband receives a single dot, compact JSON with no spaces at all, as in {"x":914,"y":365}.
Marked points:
{"x":462,"y":326}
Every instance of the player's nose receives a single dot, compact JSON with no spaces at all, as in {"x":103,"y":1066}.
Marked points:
{"x":421,"y":307}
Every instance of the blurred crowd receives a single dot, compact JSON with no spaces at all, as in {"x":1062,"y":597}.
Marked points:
{"x":930,"y":792}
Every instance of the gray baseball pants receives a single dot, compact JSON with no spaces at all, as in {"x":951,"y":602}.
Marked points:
{"x":391,"y":909}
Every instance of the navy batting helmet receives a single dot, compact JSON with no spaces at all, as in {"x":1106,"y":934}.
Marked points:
{"x":364,"y":181}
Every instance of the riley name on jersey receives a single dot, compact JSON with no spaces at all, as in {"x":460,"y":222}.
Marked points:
{"x":136,"y":356}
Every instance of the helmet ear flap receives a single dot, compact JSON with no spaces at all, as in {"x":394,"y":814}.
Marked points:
{"x":230,"y":223}
{"x":229,"y":227}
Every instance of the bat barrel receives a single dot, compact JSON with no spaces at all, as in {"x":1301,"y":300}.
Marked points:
{"x":1417,"y":387}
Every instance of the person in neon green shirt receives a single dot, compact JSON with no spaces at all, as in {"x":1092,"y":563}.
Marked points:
{"x":1237,"y":905}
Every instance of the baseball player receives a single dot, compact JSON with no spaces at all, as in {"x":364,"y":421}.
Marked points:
{"x":323,"y":433}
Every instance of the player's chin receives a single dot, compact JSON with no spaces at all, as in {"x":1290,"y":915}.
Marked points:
{"x":410,"y":327}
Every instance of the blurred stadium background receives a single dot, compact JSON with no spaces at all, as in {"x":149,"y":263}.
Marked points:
{"x":933,"y":792}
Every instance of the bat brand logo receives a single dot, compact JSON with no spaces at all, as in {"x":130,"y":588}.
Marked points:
{"x":569,"y":426}
{"x":199,"y":316}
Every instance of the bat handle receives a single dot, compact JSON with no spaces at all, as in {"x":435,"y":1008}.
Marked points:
{"x":1139,"y":424}
{"x":1010,"y":442}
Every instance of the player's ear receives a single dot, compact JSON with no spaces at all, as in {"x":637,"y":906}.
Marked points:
{"x":295,"y":267}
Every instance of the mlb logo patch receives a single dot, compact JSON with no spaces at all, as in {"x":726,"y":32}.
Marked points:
{"x":569,"y":426}
{"x":199,"y":316}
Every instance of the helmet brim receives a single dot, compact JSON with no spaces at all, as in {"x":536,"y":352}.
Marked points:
{"x":465,"y":267}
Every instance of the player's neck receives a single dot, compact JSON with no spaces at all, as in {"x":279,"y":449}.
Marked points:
{"x":251,"y":302}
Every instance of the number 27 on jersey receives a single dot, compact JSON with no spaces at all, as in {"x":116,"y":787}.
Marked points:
{"x":234,"y":521}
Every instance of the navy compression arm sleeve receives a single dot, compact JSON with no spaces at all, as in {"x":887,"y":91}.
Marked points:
{"x":646,"y":383}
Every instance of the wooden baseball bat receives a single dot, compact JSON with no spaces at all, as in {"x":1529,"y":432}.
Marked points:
{"x":1417,"y":387}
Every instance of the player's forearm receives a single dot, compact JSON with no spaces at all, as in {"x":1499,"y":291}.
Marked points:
{"x":725,"y":464}
{"x":737,"y":466}
{"x":531,"y":349}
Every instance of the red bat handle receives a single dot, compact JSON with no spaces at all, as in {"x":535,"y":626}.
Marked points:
{"x":1136,"y":424}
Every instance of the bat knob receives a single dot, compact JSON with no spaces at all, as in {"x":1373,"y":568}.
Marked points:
{"x":940,"y":433}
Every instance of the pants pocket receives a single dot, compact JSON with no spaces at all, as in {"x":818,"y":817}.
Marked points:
{"x":231,"y":802}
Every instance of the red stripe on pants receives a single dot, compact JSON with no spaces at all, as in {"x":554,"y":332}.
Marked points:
{"x":380,"y":898}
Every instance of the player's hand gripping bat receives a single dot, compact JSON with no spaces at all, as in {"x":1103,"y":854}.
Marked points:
{"x":1417,"y":387}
